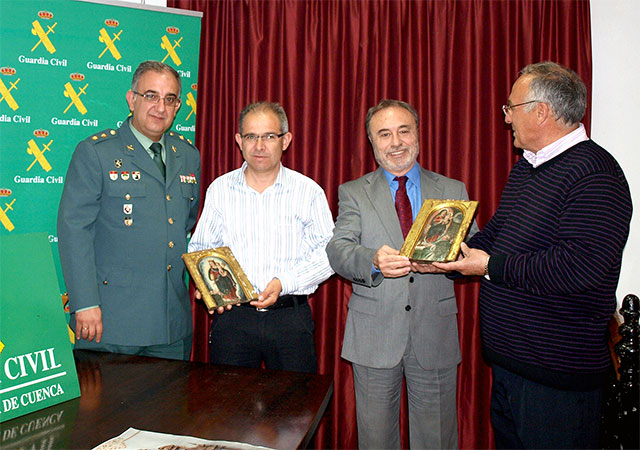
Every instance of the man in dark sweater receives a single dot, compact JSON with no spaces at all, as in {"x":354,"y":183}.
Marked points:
{"x":551,"y":258}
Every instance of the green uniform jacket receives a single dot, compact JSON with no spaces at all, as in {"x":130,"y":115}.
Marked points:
{"x":122,"y":231}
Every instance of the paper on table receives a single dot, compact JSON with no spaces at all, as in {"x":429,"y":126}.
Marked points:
{"x":139,"y":439}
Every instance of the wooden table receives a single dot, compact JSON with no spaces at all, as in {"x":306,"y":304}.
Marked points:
{"x":261,"y":407}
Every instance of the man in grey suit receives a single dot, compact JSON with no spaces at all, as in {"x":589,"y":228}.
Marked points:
{"x":402,"y":315}
{"x":130,"y":199}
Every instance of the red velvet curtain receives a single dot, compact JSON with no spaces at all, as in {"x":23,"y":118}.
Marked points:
{"x":327,"y":62}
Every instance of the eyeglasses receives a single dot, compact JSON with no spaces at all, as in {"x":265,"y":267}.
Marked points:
{"x":169,"y":100}
{"x":267,"y":137}
{"x":506,"y":109}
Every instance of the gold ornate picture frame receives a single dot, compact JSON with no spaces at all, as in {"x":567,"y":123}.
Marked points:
{"x":438,"y":231}
{"x":219,"y":277}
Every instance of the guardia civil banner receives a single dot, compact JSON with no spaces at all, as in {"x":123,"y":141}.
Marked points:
{"x":37,"y":368}
{"x":65,"y":67}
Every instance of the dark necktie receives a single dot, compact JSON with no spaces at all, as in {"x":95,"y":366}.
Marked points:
{"x":403,"y":205}
{"x":156,"y":148}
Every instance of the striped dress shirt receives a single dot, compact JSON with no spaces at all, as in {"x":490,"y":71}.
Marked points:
{"x":279,"y":233}
{"x":555,"y":148}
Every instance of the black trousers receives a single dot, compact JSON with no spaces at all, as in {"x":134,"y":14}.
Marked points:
{"x":281,"y":338}
{"x":526,"y":414}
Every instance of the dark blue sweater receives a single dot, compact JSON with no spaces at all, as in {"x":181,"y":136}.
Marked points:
{"x":556,"y":245}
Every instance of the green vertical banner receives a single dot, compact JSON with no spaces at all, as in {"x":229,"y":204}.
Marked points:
{"x":65,"y":67}
{"x":37,"y":369}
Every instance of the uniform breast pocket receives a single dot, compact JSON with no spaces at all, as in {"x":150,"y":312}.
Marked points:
{"x":122,"y":204}
{"x":188,"y":191}
{"x":189,"y":197}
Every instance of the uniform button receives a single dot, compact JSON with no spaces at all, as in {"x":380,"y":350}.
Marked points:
{"x":192,"y":198}
{"x":168,"y":198}
{"x":170,"y":244}
{"x":105,"y":282}
{"x":127,"y":197}
{"x":170,"y":220}
{"x":407,"y":308}
{"x":410,"y":279}
{"x":169,"y":267}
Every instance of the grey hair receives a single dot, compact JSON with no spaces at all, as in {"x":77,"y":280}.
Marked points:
{"x":560,"y":88}
{"x":156,"y":66}
{"x":388,"y":103}
{"x":274,"y":107}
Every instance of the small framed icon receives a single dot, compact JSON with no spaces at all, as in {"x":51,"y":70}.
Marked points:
{"x":219,"y":278}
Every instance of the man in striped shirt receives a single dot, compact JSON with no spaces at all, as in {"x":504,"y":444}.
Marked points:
{"x":277,"y":223}
{"x":551,"y":257}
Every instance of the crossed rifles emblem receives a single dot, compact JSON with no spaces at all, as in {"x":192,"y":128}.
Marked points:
{"x":6,"y":93}
{"x":191,"y":101}
{"x":110,"y":43}
{"x":75,"y":97}
{"x":4,"y":218}
{"x":37,"y":30}
{"x":171,"y":50}
{"x":34,"y":150}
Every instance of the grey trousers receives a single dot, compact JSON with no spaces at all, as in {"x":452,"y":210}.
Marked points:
{"x":432,"y":405}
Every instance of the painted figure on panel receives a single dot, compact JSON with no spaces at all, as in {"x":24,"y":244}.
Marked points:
{"x":437,"y":236}
{"x":220,"y":280}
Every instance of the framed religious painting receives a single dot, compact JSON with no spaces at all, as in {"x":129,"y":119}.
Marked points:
{"x":219,"y":278}
{"x":438,"y":231}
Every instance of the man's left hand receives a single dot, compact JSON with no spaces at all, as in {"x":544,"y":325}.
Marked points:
{"x":472,"y":263}
{"x":269,"y":295}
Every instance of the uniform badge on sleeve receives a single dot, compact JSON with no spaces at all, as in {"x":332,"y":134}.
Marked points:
{"x":135,"y":175}
{"x":113,"y":175}
{"x":128,"y":221}
{"x":127,"y":208}
{"x":118,"y":163}
{"x":124,"y":175}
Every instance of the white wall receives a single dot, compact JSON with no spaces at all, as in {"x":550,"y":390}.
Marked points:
{"x":615,"y":33}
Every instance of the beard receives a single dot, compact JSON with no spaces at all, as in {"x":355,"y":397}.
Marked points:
{"x":392,"y":164}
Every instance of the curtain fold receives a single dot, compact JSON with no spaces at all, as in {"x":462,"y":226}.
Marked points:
{"x":327,"y":62}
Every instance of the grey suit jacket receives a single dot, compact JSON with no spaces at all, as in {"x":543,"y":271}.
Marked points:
{"x":121,"y":234}
{"x":385,"y":312}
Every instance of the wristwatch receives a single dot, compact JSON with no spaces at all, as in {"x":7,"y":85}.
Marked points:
{"x":486,"y":268}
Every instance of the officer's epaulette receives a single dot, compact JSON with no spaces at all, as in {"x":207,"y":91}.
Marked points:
{"x":181,"y":137}
{"x":103,"y":135}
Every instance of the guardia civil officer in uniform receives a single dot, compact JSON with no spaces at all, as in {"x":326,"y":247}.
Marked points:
{"x":123,"y":222}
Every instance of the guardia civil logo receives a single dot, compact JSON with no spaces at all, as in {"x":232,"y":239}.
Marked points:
{"x":191,"y":101}
{"x":110,"y":42}
{"x":43,"y":36}
{"x":4,"y":215}
{"x":171,"y":49}
{"x":7,"y":97}
{"x":74,"y":95}
{"x":37,"y":152}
